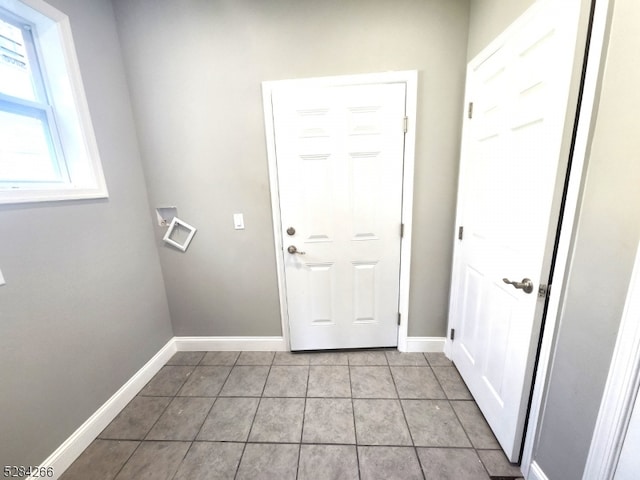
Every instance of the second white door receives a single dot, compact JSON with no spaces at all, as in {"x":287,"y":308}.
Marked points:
{"x":512,"y":138}
{"x":339,"y":154}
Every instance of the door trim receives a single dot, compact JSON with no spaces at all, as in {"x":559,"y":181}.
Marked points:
{"x":410,"y":78}
{"x":621,"y":389}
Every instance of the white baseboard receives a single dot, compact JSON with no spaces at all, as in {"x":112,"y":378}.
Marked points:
{"x":73,"y":446}
{"x":425,"y":344}
{"x":536,"y":473}
{"x":223,"y":344}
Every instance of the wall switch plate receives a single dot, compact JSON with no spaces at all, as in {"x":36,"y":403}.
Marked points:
{"x":238,"y":221}
{"x":2,"y":282}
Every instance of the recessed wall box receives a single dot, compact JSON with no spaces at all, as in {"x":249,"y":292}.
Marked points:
{"x":165,"y":215}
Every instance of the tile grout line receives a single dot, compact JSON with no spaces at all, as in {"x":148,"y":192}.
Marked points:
{"x":475,"y":450}
{"x":244,"y":444}
{"x":205,"y":418}
{"x":404,"y":415}
{"x":458,"y":418}
{"x":179,"y":464}
{"x":353,"y":410}
{"x":447,"y":399}
{"x":173,"y":397}
{"x":156,"y":422}
{"x":304,"y":414}
{"x":212,"y":404}
{"x":127,"y":461}
{"x":253,"y":420}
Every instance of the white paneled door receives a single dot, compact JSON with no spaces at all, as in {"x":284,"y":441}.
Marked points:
{"x":517,"y":93}
{"x":339,"y":153}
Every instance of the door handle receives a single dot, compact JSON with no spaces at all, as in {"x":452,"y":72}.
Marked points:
{"x":526,"y":284}
{"x":292,"y":249}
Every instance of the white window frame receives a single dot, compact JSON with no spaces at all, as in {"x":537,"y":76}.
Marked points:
{"x":56,"y":53}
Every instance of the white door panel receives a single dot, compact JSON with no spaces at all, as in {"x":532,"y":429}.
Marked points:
{"x":340,"y":160}
{"x":508,"y":170}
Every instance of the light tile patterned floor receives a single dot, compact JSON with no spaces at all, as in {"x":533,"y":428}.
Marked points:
{"x":263,"y":415}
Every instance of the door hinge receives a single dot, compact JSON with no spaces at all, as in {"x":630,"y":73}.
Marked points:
{"x":402,"y":230}
{"x":544,"y":290}
{"x":405,"y":124}
{"x":452,"y":334}
{"x":460,"y":232}
{"x":470,"y":110}
{"x":399,"y":315}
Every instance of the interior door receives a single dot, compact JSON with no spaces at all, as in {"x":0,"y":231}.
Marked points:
{"x":517,"y":93}
{"x":339,"y":157}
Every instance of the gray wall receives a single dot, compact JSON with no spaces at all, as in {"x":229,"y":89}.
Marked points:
{"x":84,"y":305}
{"x":196,"y":90}
{"x":605,"y":246}
{"x":489,"y":18}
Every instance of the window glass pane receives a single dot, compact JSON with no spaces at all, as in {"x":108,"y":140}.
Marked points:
{"x":25,"y":149}
{"x":16,"y":77}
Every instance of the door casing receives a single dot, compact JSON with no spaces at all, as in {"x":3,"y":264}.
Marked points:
{"x":410,"y":78}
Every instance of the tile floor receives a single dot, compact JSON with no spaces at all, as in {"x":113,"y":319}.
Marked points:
{"x":267,"y":415}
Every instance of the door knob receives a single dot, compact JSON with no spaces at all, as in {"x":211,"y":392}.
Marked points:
{"x":526,"y":284}
{"x":292,"y":249}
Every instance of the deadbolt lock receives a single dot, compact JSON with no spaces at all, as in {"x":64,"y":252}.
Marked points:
{"x":291,"y":231}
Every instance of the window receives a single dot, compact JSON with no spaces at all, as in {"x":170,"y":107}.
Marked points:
{"x":47,"y":146}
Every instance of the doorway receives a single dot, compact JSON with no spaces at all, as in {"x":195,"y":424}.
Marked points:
{"x":341,"y":172}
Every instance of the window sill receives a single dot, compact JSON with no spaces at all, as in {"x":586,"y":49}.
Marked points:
{"x":28,"y":195}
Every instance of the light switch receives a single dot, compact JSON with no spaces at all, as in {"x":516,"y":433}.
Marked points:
{"x":2,"y":282}
{"x":238,"y":221}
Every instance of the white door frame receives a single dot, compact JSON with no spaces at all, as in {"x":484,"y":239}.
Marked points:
{"x":410,"y":78}
{"x":583,"y":136}
{"x":620,"y":391}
